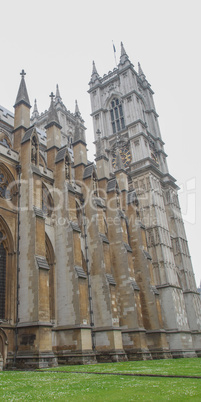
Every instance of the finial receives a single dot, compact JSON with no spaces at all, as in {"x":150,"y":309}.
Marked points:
{"x":52,"y":96}
{"x":22,"y":73}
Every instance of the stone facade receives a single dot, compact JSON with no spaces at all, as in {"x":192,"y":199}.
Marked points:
{"x":94,"y":259}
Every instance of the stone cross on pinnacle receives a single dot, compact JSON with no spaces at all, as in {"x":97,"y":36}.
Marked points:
{"x":52,"y":96}
{"x":22,"y":73}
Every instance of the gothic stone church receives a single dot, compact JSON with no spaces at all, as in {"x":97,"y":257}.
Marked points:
{"x":94,"y":261}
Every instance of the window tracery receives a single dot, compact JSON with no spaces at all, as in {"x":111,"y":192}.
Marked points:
{"x":4,"y":138}
{"x":4,"y":192}
{"x":116,"y":115}
{"x":5,"y":142}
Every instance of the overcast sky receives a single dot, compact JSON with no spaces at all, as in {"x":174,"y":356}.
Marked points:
{"x":56,"y":42}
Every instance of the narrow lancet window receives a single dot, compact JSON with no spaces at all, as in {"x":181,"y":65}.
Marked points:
{"x":2,"y":277}
{"x":116,"y":115}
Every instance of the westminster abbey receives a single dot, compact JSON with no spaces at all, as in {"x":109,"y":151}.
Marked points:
{"x":94,"y":260}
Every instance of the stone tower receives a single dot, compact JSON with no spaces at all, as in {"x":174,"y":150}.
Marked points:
{"x":127,"y":135}
{"x":94,"y":262}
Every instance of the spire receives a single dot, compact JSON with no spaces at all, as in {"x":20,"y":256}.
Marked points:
{"x":52,"y":114}
{"x":58,"y":97}
{"x":77,"y":112}
{"x":95,"y":75}
{"x":94,"y":71}
{"x":123,"y":52}
{"x":22,"y":96}
{"x":124,"y":56}
{"x":35,"y":113}
{"x":140,"y":72}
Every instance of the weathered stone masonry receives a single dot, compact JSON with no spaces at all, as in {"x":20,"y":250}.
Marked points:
{"x":94,"y":261}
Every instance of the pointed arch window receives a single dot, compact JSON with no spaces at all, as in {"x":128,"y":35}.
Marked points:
{"x":4,"y":138}
{"x":116,"y":115}
{"x":2,"y":277}
{"x":51,"y":262}
{"x":4,"y":183}
{"x":5,"y":142}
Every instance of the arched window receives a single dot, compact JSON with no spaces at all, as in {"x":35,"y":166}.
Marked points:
{"x":4,"y":138}
{"x":79,"y":214}
{"x":116,"y":115}
{"x":4,"y":182}
{"x":2,"y":277}
{"x":5,"y":142}
{"x":51,"y":262}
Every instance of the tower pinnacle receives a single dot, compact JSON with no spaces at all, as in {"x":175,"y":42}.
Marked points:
{"x":35,"y":113}
{"x":77,"y":112}
{"x":52,"y":114}
{"x":124,"y":56}
{"x":22,"y":96}
{"x":95,"y":75}
{"x":58,"y":96}
{"x":140,"y":72}
{"x":94,"y":71}
{"x":122,"y":49}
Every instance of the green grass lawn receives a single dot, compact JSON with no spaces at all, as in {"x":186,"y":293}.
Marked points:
{"x":69,"y":386}
{"x":187,"y":367}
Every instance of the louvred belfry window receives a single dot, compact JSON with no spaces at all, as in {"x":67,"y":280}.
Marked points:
{"x":2,"y":278}
{"x":116,"y":115}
